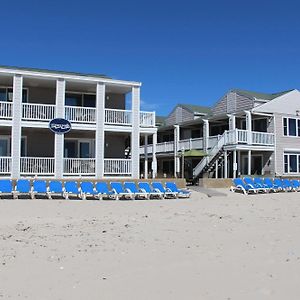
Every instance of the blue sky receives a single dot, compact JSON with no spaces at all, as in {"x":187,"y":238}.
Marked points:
{"x":182,"y":51}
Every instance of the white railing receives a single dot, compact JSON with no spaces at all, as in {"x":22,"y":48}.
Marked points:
{"x":117,"y":166}
{"x":5,"y":163}
{"x":118,"y":116}
{"x":79,"y":166}
{"x":147,"y":119}
{"x":5,"y":110}
{"x":80,"y":114}
{"x":262,"y":138}
{"x":212,"y":140}
{"x":38,"y":112}
{"x":37,"y":165}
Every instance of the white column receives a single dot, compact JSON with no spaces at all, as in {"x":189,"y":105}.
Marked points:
{"x":16,"y":130}
{"x":154,"y":161}
{"x":225,"y":164}
{"x":135,"y":134}
{"x":100,"y":133}
{"x":234,"y":164}
{"x":217,"y":166}
{"x":176,"y":150}
{"x":249,"y":162}
{"x":232,"y":122}
{"x":59,"y":138}
{"x":249,"y":127}
{"x":146,"y":157}
{"x":239,"y":163}
{"x":205,"y":134}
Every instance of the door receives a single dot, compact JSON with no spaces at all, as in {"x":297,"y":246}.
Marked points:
{"x":84,"y":149}
{"x":70,"y":149}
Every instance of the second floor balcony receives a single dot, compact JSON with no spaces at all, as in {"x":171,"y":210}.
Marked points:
{"x":81,"y":115}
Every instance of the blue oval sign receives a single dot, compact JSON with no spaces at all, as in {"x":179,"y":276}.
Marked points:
{"x":60,"y":126}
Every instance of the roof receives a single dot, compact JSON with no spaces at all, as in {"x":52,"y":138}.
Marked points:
{"x":196,"y":108}
{"x":258,"y":95}
{"x":55,"y":71}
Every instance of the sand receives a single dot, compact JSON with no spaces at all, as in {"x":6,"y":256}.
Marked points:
{"x":233,"y":247}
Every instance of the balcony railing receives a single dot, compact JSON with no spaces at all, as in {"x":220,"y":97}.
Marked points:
{"x":118,"y":117}
{"x":240,"y":136}
{"x":5,"y":110}
{"x":37,"y":165}
{"x":38,"y":112}
{"x":117,"y":166}
{"x":79,"y":166}
{"x":5,"y":164}
{"x":80,"y":114}
{"x":147,"y":119}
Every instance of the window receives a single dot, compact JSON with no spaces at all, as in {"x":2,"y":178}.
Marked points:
{"x":292,"y":163}
{"x":6,"y":94}
{"x":89,"y":100}
{"x":73,"y":100}
{"x":291,"y":127}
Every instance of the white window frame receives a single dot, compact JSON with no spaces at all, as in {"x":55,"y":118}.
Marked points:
{"x":288,"y":162}
{"x":11,"y":87}
{"x":288,"y":129}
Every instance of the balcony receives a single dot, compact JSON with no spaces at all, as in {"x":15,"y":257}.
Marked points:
{"x":80,"y":115}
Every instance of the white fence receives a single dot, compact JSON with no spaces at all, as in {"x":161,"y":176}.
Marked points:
{"x":117,"y":166}
{"x":118,"y":116}
{"x":147,"y":119}
{"x":80,"y":114}
{"x":5,"y":110}
{"x":79,"y":166}
{"x":5,"y":163}
{"x":37,"y":165}
{"x":38,"y":112}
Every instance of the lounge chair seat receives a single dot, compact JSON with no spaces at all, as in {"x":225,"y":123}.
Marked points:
{"x":121,"y":192}
{"x":87,"y":190}
{"x":138,"y":193}
{"x":71,"y":189}
{"x":22,"y":188}
{"x":270,"y":183}
{"x":182,"y":193}
{"x":259,"y":187}
{"x":56,"y":189}
{"x":39,"y":187}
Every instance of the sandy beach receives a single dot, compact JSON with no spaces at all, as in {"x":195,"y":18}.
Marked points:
{"x":227,"y":247}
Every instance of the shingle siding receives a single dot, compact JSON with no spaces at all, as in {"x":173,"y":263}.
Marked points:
{"x":179,"y":115}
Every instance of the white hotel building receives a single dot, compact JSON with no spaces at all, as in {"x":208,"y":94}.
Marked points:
{"x":104,"y":113}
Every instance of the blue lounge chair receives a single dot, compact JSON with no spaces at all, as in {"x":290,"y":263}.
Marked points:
{"x":39,"y":187}
{"x":259,"y":187}
{"x":6,"y":187}
{"x":121,"y":191}
{"x":259,"y":181}
{"x":282,"y":186}
{"x":104,"y":192}
{"x":87,"y":190}
{"x":166,"y":192}
{"x":71,"y":189}
{"x":295,"y":184}
{"x":288,"y":184}
{"x":131,"y":187}
{"x":271,"y":184}
{"x":145,"y":186}
{"x":22,"y":188}
{"x":182,"y":193}
{"x":240,"y":185}
{"x":55,"y":189}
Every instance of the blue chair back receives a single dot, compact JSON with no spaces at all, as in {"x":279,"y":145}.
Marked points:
{"x":239,"y":181}
{"x":295,"y":183}
{"x":87,"y":187}
{"x":23,"y":186}
{"x":259,"y":181}
{"x":117,"y":186}
{"x":102,"y":188}
{"x":6,"y":186}
{"x":131,"y":186}
{"x":279,"y":182}
{"x":159,"y":186}
{"x":269,"y":182}
{"x":71,"y":187}
{"x":40,"y":186}
{"x":287,"y":183}
{"x":55,"y":187}
{"x":145,"y":186}
{"x":172,"y":186}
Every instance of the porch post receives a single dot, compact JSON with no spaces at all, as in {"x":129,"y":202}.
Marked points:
{"x":100,"y":133}
{"x":176,"y":149}
{"x":232,"y":123}
{"x":135,"y":133}
{"x":217,"y":166}
{"x":234,"y":164}
{"x":225,"y":164}
{"x":205,"y":134}
{"x":16,"y":130}
{"x":154,"y":161}
{"x":249,"y":162}
{"x":239,"y":163}
{"x":146,"y":157}
{"x":59,"y":138}
{"x":249,"y":127}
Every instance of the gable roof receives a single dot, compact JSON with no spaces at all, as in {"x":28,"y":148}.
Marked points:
{"x":257,"y":95}
{"x":195,"y":108}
